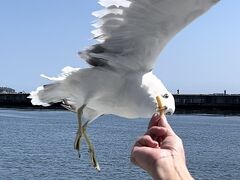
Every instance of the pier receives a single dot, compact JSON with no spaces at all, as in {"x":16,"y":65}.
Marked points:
{"x":207,"y":103}
{"x":21,"y":101}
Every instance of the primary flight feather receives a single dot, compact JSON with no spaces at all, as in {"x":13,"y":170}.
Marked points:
{"x":130,"y":35}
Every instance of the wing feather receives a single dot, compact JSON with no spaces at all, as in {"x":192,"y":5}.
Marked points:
{"x":132,"y":33}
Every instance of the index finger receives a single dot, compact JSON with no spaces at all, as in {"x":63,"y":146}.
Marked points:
{"x":154,"y":120}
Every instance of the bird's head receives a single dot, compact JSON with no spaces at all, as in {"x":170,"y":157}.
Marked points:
{"x":165,"y":103}
{"x":154,"y":88}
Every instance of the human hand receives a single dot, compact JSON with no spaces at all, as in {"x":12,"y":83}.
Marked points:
{"x":160,"y":151}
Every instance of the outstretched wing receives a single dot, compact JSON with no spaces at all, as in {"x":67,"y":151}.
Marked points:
{"x":132,"y":33}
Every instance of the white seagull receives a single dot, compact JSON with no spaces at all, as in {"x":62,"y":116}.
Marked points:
{"x":130,"y":35}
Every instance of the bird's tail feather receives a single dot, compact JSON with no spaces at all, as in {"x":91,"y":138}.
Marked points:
{"x":47,"y":95}
{"x":52,"y":93}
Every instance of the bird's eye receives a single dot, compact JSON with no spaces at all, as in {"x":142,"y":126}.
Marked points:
{"x":165,"y":96}
{"x":165,"y":108}
{"x":168,"y":113}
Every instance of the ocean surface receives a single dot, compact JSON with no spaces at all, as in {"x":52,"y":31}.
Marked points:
{"x":39,"y":145}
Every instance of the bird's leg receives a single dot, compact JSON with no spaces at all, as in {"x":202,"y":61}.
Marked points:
{"x":92,"y":154}
{"x":79,"y":131}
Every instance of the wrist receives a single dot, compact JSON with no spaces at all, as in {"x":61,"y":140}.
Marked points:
{"x":170,"y":168}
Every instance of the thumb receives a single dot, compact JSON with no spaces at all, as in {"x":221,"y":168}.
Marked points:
{"x":164,"y":123}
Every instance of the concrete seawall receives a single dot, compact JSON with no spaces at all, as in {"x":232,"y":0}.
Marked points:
{"x":20,"y":101}
{"x":184,"y":102}
{"x":208,"y":101}
{"x":14,"y":100}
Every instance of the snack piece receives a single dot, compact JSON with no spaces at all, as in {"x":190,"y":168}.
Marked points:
{"x":160,"y":105}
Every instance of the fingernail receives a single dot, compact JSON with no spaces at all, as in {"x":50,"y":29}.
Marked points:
{"x":155,"y":144}
{"x":156,"y":115}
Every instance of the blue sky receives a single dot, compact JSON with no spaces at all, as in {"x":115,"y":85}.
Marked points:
{"x":44,"y":36}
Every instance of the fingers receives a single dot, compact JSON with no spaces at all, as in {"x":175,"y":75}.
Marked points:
{"x":155,"y":132}
{"x":161,"y":121}
{"x":146,"y":140}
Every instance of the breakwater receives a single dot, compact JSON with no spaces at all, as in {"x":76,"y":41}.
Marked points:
{"x":14,"y":100}
{"x":184,"y":102}
{"x":207,"y":103}
{"x":21,"y":101}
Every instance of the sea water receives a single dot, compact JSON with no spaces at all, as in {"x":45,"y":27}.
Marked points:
{"x":39,"y":145}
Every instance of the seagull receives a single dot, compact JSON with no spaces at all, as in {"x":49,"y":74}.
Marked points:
{"x":129,"y":34}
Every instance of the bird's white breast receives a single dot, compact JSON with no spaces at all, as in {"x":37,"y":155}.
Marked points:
{"x":108,"y":92}
{"x":129,"y":95}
